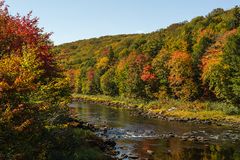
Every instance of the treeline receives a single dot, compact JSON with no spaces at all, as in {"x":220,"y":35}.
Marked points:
{"x":192,"y":60}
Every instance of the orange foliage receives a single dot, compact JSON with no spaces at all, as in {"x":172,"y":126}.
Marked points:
{"x":147,"y":75}
{"x":181,"y":75}
{"x":180,"y":67}
{"x":27,"y":69}
{"x":212,"y":57}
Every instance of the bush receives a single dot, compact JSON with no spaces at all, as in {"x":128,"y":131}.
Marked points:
{"x":225,"y":107}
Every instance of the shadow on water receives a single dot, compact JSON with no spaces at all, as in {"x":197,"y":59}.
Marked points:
{"x":147,"y":138}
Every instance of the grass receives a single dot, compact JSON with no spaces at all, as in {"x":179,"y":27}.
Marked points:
{"x":202,"y":110}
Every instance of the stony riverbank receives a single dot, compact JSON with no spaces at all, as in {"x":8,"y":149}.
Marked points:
{"x":170,"y":114}
{"x":103,"y":128}
{"x":107,"y":145}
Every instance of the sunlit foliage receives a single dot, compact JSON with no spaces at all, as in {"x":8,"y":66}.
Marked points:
{"x":187,"y":60}
{"x":33,"y":89}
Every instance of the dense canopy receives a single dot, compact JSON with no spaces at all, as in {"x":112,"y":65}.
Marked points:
{"x":188,"y":61}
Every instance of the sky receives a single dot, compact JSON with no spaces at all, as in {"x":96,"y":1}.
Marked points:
{"x":72,"y":20}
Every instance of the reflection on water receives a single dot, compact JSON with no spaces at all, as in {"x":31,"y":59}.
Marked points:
{"x":138,"y":135}
{"x":174,"y":149}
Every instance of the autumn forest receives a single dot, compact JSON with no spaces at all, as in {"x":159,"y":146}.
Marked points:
{"x":196,"y":60}
{"x":189,"y":71}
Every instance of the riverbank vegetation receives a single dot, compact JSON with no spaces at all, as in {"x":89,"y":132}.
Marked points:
{"x":207,"y":111}
{"x":191,"y":65}
{"x":35,"y":121}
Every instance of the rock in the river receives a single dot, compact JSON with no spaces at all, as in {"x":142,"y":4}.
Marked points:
{"x":171,"y":119}
{"x":199,"y":138}
{"x":132,"y":156}
{"x":104,"y":129}
{"x":110,"y":142}
{"x":150,"y":152}
{"x":207,"y":122}
{"x":123,"y":156}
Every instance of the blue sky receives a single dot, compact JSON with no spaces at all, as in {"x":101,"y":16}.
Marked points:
{"x":71,"y":20}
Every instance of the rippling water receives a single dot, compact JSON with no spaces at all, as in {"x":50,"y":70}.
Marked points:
{"x":159,"y":140}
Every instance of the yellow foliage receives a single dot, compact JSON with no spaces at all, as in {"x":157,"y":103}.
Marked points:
{"x":24,"y":125}
{"x":102,"y":63}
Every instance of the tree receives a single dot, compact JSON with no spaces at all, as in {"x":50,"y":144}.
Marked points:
{"x":90,"y":85}
{"x":150,"y":80}
{"x":181,"y":75}
{"x":221,"y":70}
{"x":128,"y":75}
{"x":198,"y":51}
{"x":107,"y":83}
{"x":160,"y":69}
{"x":33,"y":90}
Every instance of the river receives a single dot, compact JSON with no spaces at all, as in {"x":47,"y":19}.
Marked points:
{"x":139,"y":137}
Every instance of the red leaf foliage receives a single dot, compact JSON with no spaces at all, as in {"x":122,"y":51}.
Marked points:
{"x":147,"y":75}
{"x":19,"y":31}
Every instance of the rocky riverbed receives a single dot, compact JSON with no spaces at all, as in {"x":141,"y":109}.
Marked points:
{"x":131,"y":135}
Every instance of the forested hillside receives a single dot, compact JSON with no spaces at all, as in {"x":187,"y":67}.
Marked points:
{"x":196,"y":60}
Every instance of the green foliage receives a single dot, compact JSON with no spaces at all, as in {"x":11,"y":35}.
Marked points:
{"x":107,"y":83}
{"x":222,"y":74}
{"x":227,"y":108}
{"x":162,"y":72}
{"x":231,"y":62}
{"x":128,"y":73}
{"x":236,"y":84}
{"x":200,"y":48}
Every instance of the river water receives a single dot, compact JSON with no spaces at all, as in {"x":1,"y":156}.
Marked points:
{"x":145,"y":138}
